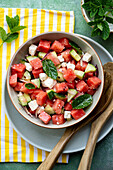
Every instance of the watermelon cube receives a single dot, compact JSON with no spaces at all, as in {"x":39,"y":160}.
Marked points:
{"x":81,"y":86}
{"x":34,"y":94}
{"x":18,"y":86}
{"x":61,"y":87}
{"x":81,"y":65}
{"x":69,"y":75}
{"x":57,"y":46}
{"x":54,"y":59}
{"x":36,"y":63}
{"x":77,"y":113}
{"x":25,"y":90}
{"x":45,"y":117}
{"x":18,"y":67}
{"x":68,"y":106}
{"x":44,"y":46}
{"x":37,"y":72}
{"x":66,"y":55}
{"x":93,"y":82}
{"x":41,"y":98}
{"x":57,"y":106}
{"x":13,"y":80}
{"x":65,"y":42}
{"x":58,"y":119}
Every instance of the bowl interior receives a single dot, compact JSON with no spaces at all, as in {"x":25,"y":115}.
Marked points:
{"x":23,"y":50}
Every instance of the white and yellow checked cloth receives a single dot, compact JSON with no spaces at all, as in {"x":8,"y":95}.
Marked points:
{"x":12,"y":147}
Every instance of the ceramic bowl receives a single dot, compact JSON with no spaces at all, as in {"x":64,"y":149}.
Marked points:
{"x":88,"y":19}
{"x":23,"y":50}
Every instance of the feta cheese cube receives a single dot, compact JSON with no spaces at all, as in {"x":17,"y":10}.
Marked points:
{"x":33,"y":105}
{"x":43,"y":76}
{"x":64,"y":64}
{"x":39,"y":110}
{"x":69,"y":65}
{"x":28,"y":66}
{"x":86,"y":57}
{"x":32,"y":49}
{"x":49,"y":83}
{"x":61,"y":59}
{"x":67,"y":114}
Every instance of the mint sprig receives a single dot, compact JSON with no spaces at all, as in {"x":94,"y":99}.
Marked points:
{"x":99,"y":11}
{"x":14,"y":27}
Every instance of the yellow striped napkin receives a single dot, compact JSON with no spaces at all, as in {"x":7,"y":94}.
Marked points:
{"x":13,"y":147}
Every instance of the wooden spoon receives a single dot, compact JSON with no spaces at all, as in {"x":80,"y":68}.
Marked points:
{"x":96,"y":128}
{"x":70,"y":131}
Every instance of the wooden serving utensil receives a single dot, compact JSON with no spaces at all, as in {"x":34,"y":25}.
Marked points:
{"x":96,"y":127}
{"x":70,"y":131}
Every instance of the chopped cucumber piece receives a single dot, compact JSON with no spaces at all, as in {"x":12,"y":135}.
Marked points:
{"x":27,"y":97}
{"x":23,"y":61}
{"x":29,"y":58}
{"x":79,"y":74}
{"x":76,"y":47}
{"x":41,"y":54}
{"x":90,"y":68}
{"x":26,"y":75}
{"x":60,"y":77}
{"x":49,"y":109}
{"x":75,"y":55}
{"x":60,"y":96}
{"x":50,"y":93}
{"x":71,"y":94}
{"x":22,"y":100}
{"x":36,"y":81}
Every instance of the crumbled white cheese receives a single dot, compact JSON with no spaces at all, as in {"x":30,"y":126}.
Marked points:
{"x":33,"y":105}
{"x":32,"y":49}
{"x":43,"y":76}
{"x":28,"y":66}
{"x":86,"y":57}
{"x":67,"y":114}
{"x":39,"y":110}
{"x":49,"y":83}
{"x":69,"y":65}
{"x":64,"y":64}
{"x":20,"y":94}
{"x":61,"y":59}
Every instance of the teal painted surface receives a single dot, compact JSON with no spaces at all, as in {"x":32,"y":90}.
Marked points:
{"x":103,"y":156}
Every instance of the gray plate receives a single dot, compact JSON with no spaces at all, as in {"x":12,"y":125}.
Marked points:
{"x":47,"y":138}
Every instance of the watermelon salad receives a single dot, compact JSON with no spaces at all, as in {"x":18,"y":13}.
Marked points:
{"x":55,"y":81}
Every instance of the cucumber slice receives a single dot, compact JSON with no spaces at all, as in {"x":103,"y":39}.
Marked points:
{"x":27,"y":97}
{"x":26,"y":75}
{"x":71,"y":94}
{"x":75,"y":55}
{"x":60,"y":96}
{"x":79,"y":74}
{"x":22,"y":100}
{"x":49,"y":109}
{"x":36,"y":81}
{"x":29,"y":58}
{"x":50,"y":94}
{"x":90,"y":68}
{"x":41,"y":54}
{"x":76,"y":47}
{"x":60,"y":77}
{"x":23,"y":61}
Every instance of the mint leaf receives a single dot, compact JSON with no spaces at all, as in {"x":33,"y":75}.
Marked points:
{"x":17,"y":28}
{"x":101,"y":11}
{"x":3,"y":34}
{"x":12,"y":22}
{"x":93,"y":13}
{"x":106,"y":30}
{"x":11,"y":37}
{"x":95,"y":31}
{"x":100,"y":26}
{"x":109,"y":19}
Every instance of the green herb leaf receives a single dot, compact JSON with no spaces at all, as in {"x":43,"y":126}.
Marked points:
{"x":17,"y":28}
{"x":93,"y":13}
{"x":82,"y":101}
{"x":12,"y":22}
{"x":109,"y":19}
{"x":95,"y":31}
{"x":11,"y":37}
{"x":101,"y":11}
{"x":76,"y":47}
{"x":50,"y":69}
{"x":3,"y":34}
{"x":30,"y":86}
{"x":106,"y":30}
{"x":100,"y":26}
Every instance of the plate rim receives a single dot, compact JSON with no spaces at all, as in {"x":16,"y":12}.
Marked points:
{"x":68,"y":151}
